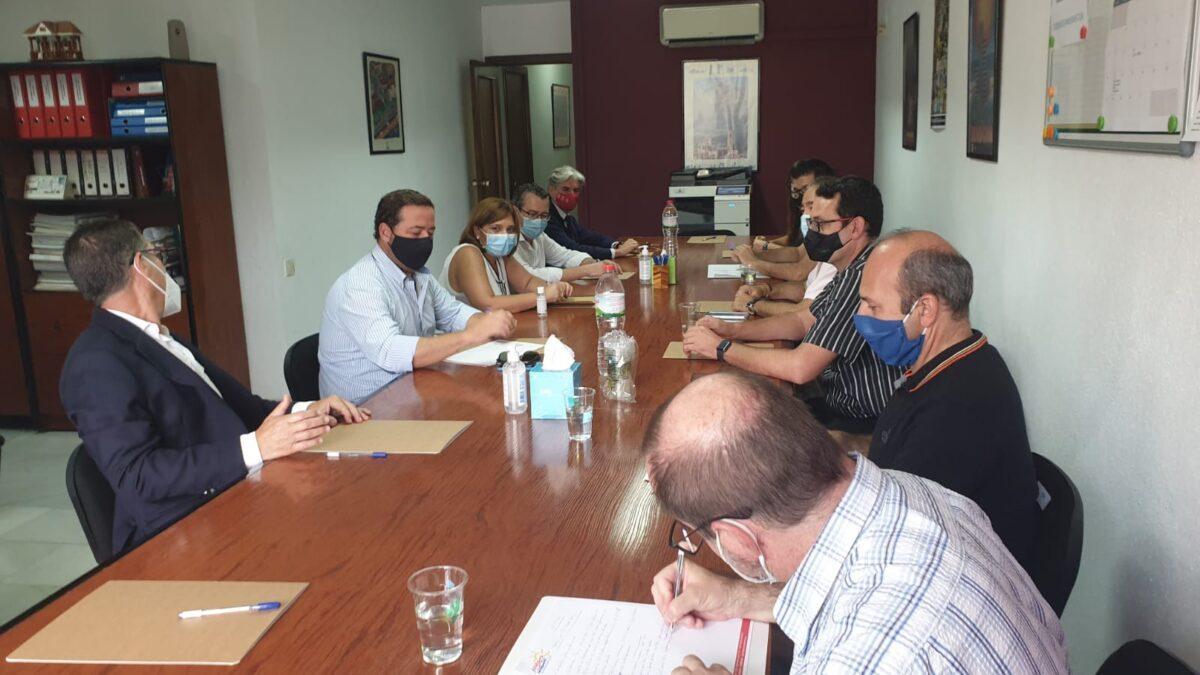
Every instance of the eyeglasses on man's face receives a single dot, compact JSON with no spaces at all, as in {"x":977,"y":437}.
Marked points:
{"x":819,"y":225}
{"x":536,"y":215}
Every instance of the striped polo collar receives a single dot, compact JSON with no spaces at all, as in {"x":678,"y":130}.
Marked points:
{"x":913,"y":381}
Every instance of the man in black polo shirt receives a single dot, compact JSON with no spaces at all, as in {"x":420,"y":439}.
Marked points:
{"x":847,"y":217}
{"x":956,"y":418}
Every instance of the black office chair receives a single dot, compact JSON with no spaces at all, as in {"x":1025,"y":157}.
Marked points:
{"x":1142,"y":656}
{"x":301,"y":369}
{"x":94,"y":502}
{"x":702,"y":231}
{"x":1059,"y":543}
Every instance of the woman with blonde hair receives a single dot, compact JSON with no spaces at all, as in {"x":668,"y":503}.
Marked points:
{"x":481,"y":270}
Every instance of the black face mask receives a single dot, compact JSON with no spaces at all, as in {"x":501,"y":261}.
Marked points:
{"x":412,"y":253}
{"x":821,"y":247}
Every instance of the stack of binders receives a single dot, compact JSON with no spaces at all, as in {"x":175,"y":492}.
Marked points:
{"x":56,"y":104}
{"x":49,"y":233}
{"x":139,"y":118}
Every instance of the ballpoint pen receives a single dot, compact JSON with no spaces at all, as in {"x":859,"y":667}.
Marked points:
{"x":678,"y":578}
{"x":258,"y":607}
{"x":339,"y":455}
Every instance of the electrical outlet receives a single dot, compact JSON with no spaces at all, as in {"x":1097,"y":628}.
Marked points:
{"x":289,"y":268}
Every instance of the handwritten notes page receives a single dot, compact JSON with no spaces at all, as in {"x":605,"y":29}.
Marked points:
{"x":577,"y":636}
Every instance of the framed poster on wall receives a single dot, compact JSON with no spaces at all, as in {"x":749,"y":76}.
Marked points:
{"x":941,"y":40}
{"x":720,"y":114}
{"x":983,"y":78}
{"x":908,"y":138}
{"x":560,"y":112}
{"x":385,"y":110}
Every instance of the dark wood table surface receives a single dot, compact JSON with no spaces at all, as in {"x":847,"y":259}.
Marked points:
{"x":512,"y":501}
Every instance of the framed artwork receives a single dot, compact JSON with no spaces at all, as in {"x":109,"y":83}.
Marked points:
{"x":560,"y":112}
{"x":720,"y":114}
{"x":941,"y":40}
{"x":983,"y":78}
{"x":912,"y":42}
{"x":385,"y":110}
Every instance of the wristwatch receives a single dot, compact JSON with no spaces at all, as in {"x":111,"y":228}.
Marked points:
{"x":750,"y":306}
{"x":722,"y":348}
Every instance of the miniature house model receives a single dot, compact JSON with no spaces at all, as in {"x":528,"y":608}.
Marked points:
{"x":54,"y":41}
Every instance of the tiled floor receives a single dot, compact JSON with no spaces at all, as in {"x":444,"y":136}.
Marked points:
{"x":41,"y":545}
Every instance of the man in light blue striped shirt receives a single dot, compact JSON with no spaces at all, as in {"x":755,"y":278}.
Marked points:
{"x":387,"y":315}
{"x":866,"y":570}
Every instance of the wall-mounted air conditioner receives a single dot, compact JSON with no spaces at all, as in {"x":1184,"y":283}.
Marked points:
{"x":726,"y":23}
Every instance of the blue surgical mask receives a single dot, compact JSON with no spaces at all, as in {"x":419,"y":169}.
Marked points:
{"x":534,"y":227}
{"x":889,"y":340}
{"x":501,"y":245}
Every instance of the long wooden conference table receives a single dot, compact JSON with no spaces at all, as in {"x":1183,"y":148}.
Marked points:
{"x":512,"y":501}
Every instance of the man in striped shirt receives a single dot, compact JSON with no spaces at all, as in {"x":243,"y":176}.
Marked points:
{"x":847,"y":217}
{"x":866,"y":570}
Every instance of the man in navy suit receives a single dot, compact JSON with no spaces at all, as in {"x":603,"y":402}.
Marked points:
{"x":564,"y":185}
{"x":168,"y":428}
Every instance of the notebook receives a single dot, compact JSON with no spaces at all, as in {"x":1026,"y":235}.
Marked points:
{"x":395,"y":437}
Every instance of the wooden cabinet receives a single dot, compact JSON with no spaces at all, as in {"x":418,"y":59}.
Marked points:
{"x":37,"y":328}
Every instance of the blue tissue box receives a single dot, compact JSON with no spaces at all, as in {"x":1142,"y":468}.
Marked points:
{"x":548,"y":390}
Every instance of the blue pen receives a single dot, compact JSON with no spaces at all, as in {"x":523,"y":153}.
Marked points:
{"x":339,"y":455}
{"x":259,"y":607}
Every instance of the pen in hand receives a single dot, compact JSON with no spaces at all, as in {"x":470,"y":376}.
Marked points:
{"x":678,"y":579}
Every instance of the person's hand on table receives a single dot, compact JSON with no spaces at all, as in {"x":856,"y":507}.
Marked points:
{"x":344,"y":411}
{"x":494,"y":324}
{"x":706,"y":596}
{"x":283,"y":433}
{"x":746,"y":293}
{"x":592,"y":270}
{"x":760,"y":243}
{"x":558,"y":290}
{"x":723,"y":329}
{"x":626,"y":248}
{"x":701,"y":341}
{"x":744,"y":255}
{"x":692,"y":665}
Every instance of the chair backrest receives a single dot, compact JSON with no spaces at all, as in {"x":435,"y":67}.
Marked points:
{"x":1142,"y":656}
{"x":94,"y":502}
{"x":301,"y":369}
{"x":1060,"y":535}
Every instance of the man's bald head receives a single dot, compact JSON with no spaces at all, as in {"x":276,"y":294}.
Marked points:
{"x":739,"y":445}
{"x":914,"y":263}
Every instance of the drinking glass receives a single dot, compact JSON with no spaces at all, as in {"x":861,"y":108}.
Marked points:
{"x":438,"y":597}
{"x":689,"y":314}
{"x":579,"y":413}
{"x":749,"y":274}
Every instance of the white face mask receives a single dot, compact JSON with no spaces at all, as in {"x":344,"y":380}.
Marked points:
{"x":172,"y":294}
{"x":766,"y":578}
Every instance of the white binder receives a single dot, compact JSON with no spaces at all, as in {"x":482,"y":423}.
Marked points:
{"x":87,"y":159}
{"x":120,"y":169}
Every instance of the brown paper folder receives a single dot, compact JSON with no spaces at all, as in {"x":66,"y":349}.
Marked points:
{"x":395,"y":437}
{"x":727,"y":253}
{"x":675,"y":350}
{"x":706,"y":306}
{"x":707,"y":239}
{"x":576,"y":301}
{"x":137,"y":622}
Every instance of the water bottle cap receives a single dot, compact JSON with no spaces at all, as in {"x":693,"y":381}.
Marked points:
{"x":645,"y":248}
{"x":610,"y":266}
{"x":670,"y":202}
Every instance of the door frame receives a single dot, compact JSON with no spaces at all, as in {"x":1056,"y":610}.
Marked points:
{"x":524,"y":74}
{"x":474,"y":177}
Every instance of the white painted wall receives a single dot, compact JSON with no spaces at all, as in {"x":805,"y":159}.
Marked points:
{"x":541,"y":120}
{"x":530,"y":28}
{"x":1086,"y":264}
{"x":301,"y":180}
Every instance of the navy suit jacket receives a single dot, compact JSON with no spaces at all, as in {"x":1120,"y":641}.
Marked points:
{"x":164,"y":440}
{"x":568,"y":232}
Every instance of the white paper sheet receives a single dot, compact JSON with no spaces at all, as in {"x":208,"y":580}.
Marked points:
{"x":729,"y":272}
{"x":577,"y":636}
{"x":1067,"y":17}
{"x":486,"y":354}
{"x":1145,"y":67}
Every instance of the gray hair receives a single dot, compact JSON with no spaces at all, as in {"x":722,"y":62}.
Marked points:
{"x":563,"y":174}
{"x":99,"y":255}
{"x":941,"y":272}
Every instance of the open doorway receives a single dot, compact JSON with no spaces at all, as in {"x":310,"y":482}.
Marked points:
{"x":522,"y":121}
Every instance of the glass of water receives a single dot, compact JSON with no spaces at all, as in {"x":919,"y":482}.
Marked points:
{"x":749,"y":274}
{"x":579,"y":413}
{"x":689,"y":314}
{"x":438,"y":596}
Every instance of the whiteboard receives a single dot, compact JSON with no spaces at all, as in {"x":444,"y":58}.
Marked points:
{"x":1119,"y":74}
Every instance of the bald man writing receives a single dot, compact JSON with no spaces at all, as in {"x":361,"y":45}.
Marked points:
{"x":865,"y":570}
{"x":956,"y":418}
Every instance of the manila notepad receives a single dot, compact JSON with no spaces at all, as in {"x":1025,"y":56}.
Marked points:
{"x":137,"y":622}
{"x":576,"y":300}
{"x":395,"y":437}
{"x":707,"y":239}
{"x":576,"y":636}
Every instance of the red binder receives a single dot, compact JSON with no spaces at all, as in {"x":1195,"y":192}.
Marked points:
{"x":37,"y":126}
{"x":89,"y":118}
{"x":66,"y":111}
{"x":21,"y":113}
{"x":49,"y":104}
{"x":134,"y":89}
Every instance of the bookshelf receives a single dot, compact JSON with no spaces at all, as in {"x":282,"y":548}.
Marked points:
{"x":38,"y":327}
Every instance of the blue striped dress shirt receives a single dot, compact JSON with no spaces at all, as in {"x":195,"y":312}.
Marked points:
{"x":908,"y":577}
{"x":374,"y":315}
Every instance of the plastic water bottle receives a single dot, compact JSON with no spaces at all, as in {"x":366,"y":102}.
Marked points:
{"x":670,"y":228}
{"x":541,"y":301}
{"x":645,"y":266}
{"x":610,"y":310}
{"x":516,"y":387}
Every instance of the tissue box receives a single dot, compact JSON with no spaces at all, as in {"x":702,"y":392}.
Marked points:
{"x":548,"y":390}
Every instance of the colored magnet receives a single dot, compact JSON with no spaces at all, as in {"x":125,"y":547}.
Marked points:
{"x":1051,"y":92}
{"x":1051,"y":42}
{"x":1083,"y":32}
{"x":1055,"y":108}
{"x":1100,"y":123}
{"x":1172,"y":124}
{"x":1047,"y":133}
